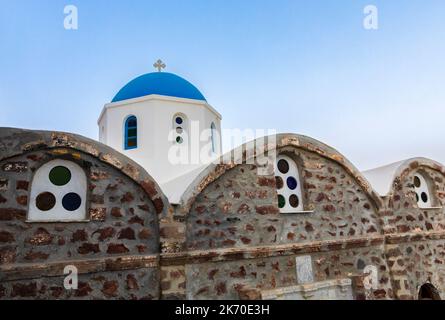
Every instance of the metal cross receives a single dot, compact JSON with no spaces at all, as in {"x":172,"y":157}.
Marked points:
{"x":159,"y":65}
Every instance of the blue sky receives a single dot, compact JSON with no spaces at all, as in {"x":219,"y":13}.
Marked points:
{"x":307,"y":67}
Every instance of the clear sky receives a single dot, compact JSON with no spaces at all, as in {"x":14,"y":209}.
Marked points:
{"x":308,"y":67}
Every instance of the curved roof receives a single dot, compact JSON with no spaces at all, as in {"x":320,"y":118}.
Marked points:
{"x":161,"y":83}
{"x":14,"y":142}
{"x":382,"y":178}
{"x":248,"y":151}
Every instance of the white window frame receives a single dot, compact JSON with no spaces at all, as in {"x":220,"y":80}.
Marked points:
{"x":285,"y":191}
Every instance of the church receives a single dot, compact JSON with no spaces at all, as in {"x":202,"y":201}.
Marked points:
{"x":155,"y":210}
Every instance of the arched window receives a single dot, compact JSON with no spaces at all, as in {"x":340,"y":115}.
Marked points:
{"x":58,"y":192}
{"x":131,"y":133}
{"x":213,"y":136}
{"x":180,"y":127}
{"x":288,"y":185}
{"x":422,"y":190}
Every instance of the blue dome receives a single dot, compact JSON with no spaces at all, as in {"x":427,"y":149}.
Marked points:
{"x":162,"y":83}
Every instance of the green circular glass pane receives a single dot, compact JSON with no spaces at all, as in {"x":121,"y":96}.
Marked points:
{"x":60,"y":176}
{"x":417,"y":182}
{"x":281,"y":201}
{"x":279,"y":182}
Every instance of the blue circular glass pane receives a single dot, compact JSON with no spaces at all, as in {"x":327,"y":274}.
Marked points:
{"x":292,"y":183}
{"x":179,"y":120}
{"x":71,"y":201}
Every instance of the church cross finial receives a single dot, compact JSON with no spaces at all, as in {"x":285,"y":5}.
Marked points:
{"x":159,"y":65}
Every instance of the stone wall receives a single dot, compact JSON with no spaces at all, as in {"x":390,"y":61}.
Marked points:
{"x":241,"y":208}
{"x":234,"y":221}
{"x":246,"y":245}
{"x":122,"y":284}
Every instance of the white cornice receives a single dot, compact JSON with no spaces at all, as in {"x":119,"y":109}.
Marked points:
{"x":159,"y":98}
